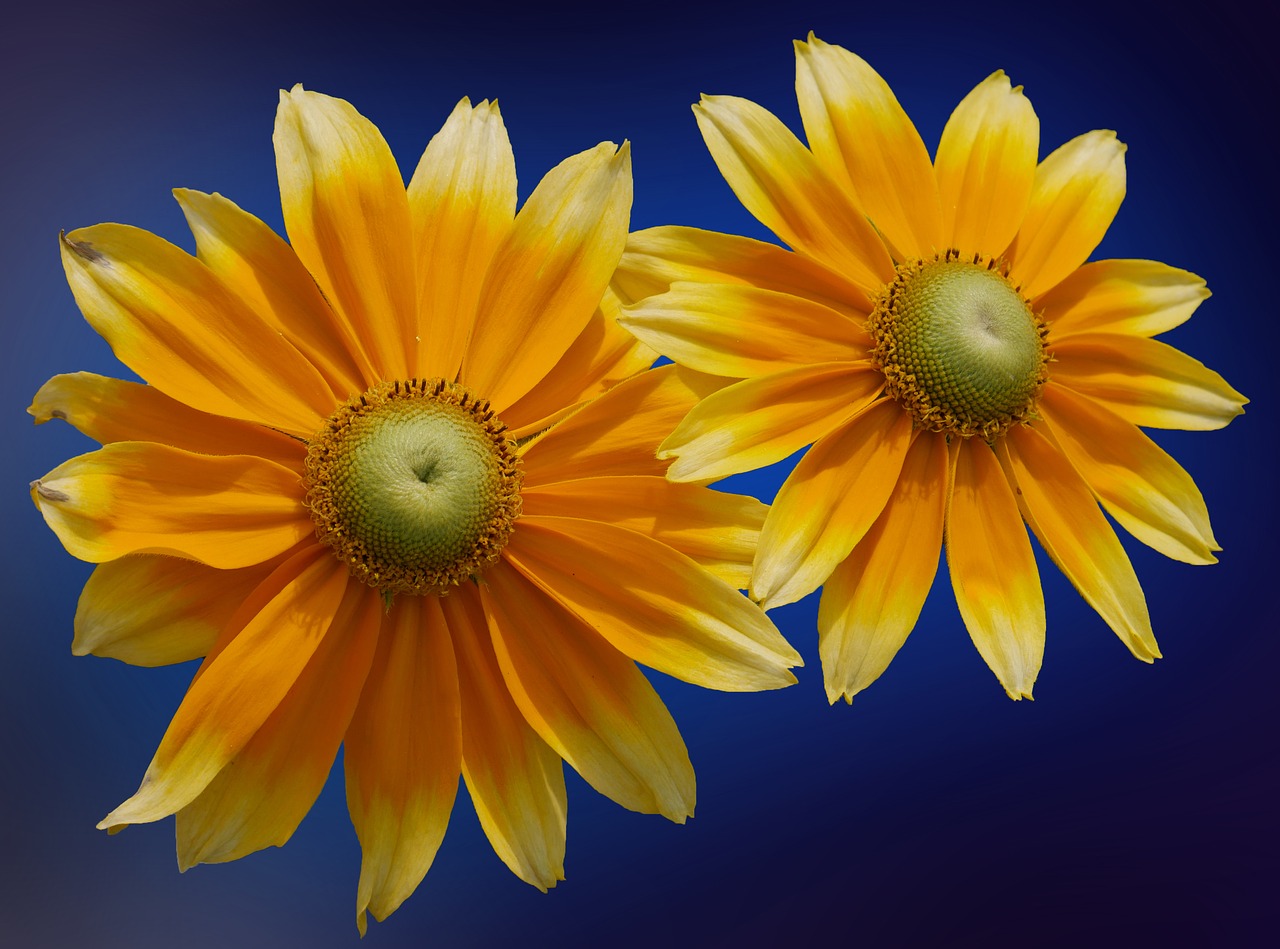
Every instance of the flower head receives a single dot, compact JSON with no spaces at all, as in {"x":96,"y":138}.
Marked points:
{"x":396,"y":482}
{"x":956,"y":366}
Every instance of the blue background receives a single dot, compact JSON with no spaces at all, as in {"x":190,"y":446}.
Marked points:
{"x":1127,"y":803}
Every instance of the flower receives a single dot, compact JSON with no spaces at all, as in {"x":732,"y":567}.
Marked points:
{"x":397,"y":484}
{"x":957,"y":368}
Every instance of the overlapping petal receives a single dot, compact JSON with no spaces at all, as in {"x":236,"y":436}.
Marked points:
{"x":1133,"y":297}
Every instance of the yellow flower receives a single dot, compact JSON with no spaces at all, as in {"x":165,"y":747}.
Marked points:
{"x":957,"y":367}
{"x":397,"y":483}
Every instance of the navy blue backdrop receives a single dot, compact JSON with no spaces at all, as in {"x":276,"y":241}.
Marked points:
{"x":1127,"y":803}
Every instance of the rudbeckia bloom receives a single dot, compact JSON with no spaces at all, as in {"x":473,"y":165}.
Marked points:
{"x":956,"y":366}
{"x":396,"y":481}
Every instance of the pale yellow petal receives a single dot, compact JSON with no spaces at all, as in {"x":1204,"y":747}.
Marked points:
{"x":403,"y":755}
{"x":1145,"y":490}
{"x":757,"y":422}
{"x":669,"y":615}
{"x":548,"y":275}
{"x":586,"y":700}
{"x":871,"y":601}
{"x":171,"y":320}
{"x":985,"y":166}
{"x":740,"y":331}
{"x":1134,"y":297}
{"x":141,"y":497}
{"x":828,"y":502}
{"x":516,"y":780}
{"x":865,"y":142}
{"x":347,"y":216}
{"x":261,"y":796}
{"x":275,"y":634}
{"x":1076,"y":194}
{"x":1061,"y":510}
{"x":780,"y":182}
{"x":1145,"y":381}
{"x":462,"y":200}
{"x":993,"y":568}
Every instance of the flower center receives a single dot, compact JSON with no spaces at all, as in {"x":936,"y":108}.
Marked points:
{"x":414,"y":486}
{"x":959,"y":346}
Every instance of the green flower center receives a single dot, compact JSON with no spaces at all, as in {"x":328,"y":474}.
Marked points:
{"x":959,"y":346}
{"x":414,"y":486}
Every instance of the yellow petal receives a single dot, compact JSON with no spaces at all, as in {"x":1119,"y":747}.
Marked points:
{"x":347,"y":216}
{"x":241,"y":685}
{"x":866,"y":143}
{"x":657,"y":257}
{"x":1061,"y":510}
{"x":985,"y":166}
{"x":1145,"y":490}
{"x":780,"y":182}
{"x":261,"y":796}
{"x":462,"y":200}
{"x":993,"y":569}
{"x":671,"y":616}
{"x":173,"y":322}
{"x":1134,"y":297}
{"x":603,"y":355}
{"x":587,"y":701}
{"x":549,"y":274}
{"x":516,"y":780}
{"x":617,"y":433}
{"x":264,"y":271}
{"x":714,"y":528}
{"x":1145,"y":381}
{"x":1076,"y":194}
{"x":403,"y":755}
{"x":828,"y":502}
{"x":871,"y":602}
{"x":739,"y":331}
{"x":756,"y":422}
{"x":140,"y":497}
{"x":152,"y":611}
{"x":113,"y":410}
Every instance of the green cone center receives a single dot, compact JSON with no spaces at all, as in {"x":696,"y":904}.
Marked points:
{"x":959,"y":346}
{"x":414,"y":486}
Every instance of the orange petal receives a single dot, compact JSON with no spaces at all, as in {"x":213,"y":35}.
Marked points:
{"x":1061,"y":510}
{"x":152,"y":611}
{"x":549,"y":274}
{"x":171,"y":320}
{"x":985,"y":166}
{"x":587,"y":701}
{"x":739,"y":331}
{"x":1076,"y":194}
{"x":403,"y":755}
{"x":714,"y":528}
{"x":347,"y":216}
{"x":261,"y":796}
{"x":865,"y":142}
{"x":780,"y":182}
{"x":993,"y":569}
{"x":141,"y":497}
{"x":758,"y":421}
{"x":462,"y":200}
{"x":871,"y":601}
{"x":240,"y":686}
{"x":829,"y":501}
{"x":1133,"y":297}
{"x":515,"y":779}
{"x":1144,"y":489}
{"x":1145,"y":381}
{"x":112,"y":410}
{"x":671,"y":616}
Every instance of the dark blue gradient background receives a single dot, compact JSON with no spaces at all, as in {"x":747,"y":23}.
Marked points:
{"x":1127,"y":804}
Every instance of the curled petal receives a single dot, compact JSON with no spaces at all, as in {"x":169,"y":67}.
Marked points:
{"x":1133,"y":297}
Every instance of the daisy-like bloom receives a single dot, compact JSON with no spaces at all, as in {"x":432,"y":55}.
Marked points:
{"x":956,"y":367}
{"x":397,"y":483}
